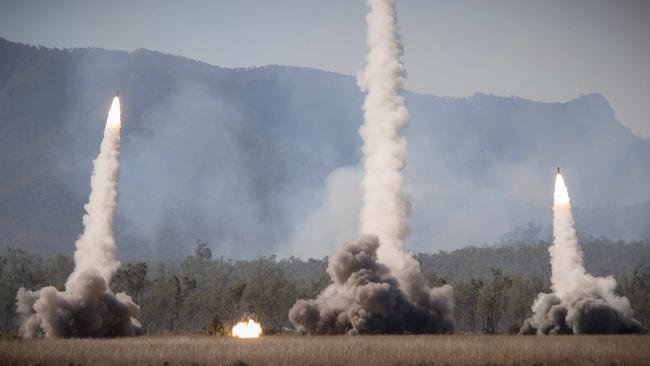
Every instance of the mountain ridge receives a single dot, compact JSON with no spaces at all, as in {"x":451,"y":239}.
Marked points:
{"x":593,"y":94}
{"x":211,"y":152}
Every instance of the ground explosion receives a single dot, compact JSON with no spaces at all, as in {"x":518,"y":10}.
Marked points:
{"x":377,"y":287}
{"x":87,"y":308}
{"x":580,"y":303}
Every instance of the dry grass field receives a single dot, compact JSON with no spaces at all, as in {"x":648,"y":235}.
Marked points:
{"x":334,"y":350}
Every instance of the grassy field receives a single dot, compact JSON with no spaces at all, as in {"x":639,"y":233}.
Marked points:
{"x":334,"y":350}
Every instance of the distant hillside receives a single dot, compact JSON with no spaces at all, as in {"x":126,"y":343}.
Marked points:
{"x":265,"y":160}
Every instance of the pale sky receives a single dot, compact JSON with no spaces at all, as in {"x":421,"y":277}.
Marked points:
{"x":541,"y":50}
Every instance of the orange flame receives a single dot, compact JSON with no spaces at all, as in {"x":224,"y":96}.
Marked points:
{"x":561,"y":195}
{"x":247,"y":329}
{"x":114,"y":120}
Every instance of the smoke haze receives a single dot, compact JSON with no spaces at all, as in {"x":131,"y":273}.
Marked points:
{"x":476,"y":165}
{"x":334,"y":220}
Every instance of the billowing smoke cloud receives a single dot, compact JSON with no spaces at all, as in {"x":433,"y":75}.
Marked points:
{"x":366,"y":298}
{"x":87,"y":308}
{"x":580,"y":303}
{"x":378,"y":288}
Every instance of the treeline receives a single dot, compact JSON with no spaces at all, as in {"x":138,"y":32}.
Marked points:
{"x":206,"y":294}
{"x":602,"y":257}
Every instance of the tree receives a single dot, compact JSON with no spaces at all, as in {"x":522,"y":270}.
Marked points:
{"x":638,"y":292}
{"x":180,"y":289}
{"x":491,"y":301}
{"x":519,"y":299}
{"x":268,"y":294}
{"x":202,"y":252}
{"x":18,"y":269}
{"x":132,"y":280}
{"x":159,"y":304}
{"x":466,"y":298}
{"x":198,"y":263}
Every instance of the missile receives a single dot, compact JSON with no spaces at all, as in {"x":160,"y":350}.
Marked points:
{"x":558,"y":170}
{"x":117,"y":93}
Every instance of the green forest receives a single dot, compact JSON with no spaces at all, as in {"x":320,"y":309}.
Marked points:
{"x":494,"y":286}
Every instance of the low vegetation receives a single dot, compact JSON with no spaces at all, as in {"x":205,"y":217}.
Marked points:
{"x":494,"y":287}
{"x":332,"y":350}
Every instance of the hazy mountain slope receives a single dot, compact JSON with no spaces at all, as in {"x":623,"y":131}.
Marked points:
{"x":241,"y":157}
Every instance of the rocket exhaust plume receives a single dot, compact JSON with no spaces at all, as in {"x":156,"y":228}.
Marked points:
{"x":580,"y":303}
{"x":87,"y":308}
{"x":378,"y":288}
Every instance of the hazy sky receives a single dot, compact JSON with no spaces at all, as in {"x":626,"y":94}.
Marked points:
{"x":541,"y":50}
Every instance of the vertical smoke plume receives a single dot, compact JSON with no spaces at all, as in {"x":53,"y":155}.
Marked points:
{"x":378,"y":288}
{"x":580,"y":303}
{"x":385,"y":207}
{"x":87,"y":308}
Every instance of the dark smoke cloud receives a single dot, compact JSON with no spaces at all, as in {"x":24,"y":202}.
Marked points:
{"x":582,"y":313}
{"x":94,"y":312}
{"x":366,"y":298}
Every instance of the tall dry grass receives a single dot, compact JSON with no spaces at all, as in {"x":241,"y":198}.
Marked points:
{"x":334,"y":350}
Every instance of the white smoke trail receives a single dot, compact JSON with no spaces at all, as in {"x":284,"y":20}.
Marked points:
{"x":568,"y":271}
{"x":96,"y":247}
{"x":378,"y":288}
{"x":580,"y":303}
{"x":385,"y":207}
{"x":87,"y":308}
